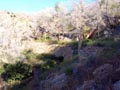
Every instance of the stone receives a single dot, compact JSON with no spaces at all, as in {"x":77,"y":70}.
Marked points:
{"x":58,"y":82}
{"x":116,"y":75}
{"x":86,"y":86}
{"x":117,"y":85}
{"x":80,"y":74}
{"x":52,"y":83}
{"x":2,"y":84}
{"x":64,"y":51}
{"x":103,"y":72}
{"x":103,"y":77}
{"x":58,"y":79}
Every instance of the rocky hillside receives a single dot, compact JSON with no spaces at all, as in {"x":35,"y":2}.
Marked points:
{"x":76,"y":48}
{"x":98,"y":68}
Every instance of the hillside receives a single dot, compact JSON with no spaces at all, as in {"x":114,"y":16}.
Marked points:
{"x":60,"y":48}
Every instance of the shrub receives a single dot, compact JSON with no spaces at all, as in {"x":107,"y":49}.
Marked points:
{"x":29,"y":54}
{"x":88,"y":42}
{"x":107,"y":42}
{"x":48,"y":65}
{"x":46,"y":56}
{"x":1,"y":70}
{"x":68,"y":71}
{"x":16,"y":72}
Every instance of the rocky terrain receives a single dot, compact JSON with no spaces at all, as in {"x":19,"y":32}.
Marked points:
{"x":76,"y":48}
{"x":90,"y":73}
{"x":98,"y":69}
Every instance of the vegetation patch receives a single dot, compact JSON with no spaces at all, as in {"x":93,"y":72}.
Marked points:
{"x":88,"y":42}
{"x":103,"y":42}
{"x":108,"y":53}
{"x":16,"y":72}
{"x":48,"y":65}
{"x":107,"y":42}
{"x":44,"y":39}
{"x":46,"y":56}
{"x":69,"y":71}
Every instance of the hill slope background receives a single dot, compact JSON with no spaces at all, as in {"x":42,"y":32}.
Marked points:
{"x":61,"y":49}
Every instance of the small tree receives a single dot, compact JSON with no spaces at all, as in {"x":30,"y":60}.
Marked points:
{"x":79,"y":19}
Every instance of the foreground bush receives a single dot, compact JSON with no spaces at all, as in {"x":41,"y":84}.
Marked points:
{"x":16,"y":72}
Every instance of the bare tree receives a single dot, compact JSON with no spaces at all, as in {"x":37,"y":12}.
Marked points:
{"x":12,"y":31}
{"x":79,"y":18}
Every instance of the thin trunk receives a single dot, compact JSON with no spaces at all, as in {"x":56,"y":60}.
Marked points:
{"x":80,"y":39}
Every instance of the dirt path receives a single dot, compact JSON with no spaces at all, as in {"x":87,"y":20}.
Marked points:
{"x":40,"y":47}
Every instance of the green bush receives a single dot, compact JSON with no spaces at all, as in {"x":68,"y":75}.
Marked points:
{"x":1,"y":70}
{"x":30,"y":57}
{"x":48,"y":65}
{"x":68,"y":71}
{"x":103,"y":42}
{"x":88,"y":42}
{"x":16,"y":72}
{"x":106,"y":42}
{"x":46,"y":57}
{"x":72,"y":43}
{"x":29,"y":54}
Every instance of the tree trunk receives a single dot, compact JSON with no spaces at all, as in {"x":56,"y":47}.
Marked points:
{"x":80,"y":39}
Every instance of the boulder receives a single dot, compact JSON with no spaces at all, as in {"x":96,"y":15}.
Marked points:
{"x":103,"y":72}
{"x":64,"y":51}
{"x":2,"y":84}
{"x":116,"y":75}
{"x":87,"y":85}
{"x":80,"y":73}
{"x":58,"y":82}
{"x":102,"y":77}
{"x":117,"y":85}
